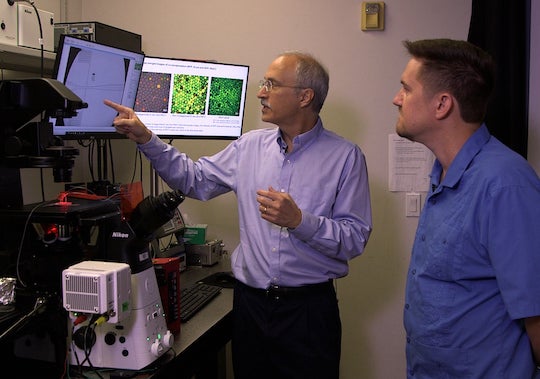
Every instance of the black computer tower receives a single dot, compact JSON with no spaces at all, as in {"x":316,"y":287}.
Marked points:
{"x":99,"y":32}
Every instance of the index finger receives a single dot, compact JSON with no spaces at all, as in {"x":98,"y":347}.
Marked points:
{"x":117,"y":107}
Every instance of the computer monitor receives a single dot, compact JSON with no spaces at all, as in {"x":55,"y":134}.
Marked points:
{"x":94,"y":72}
{"x":181,"y":98}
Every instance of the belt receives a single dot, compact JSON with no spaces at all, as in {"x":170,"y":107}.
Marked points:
{"x":276,"y":292}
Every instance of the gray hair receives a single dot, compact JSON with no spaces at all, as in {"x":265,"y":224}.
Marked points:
{"x":310,"y":73}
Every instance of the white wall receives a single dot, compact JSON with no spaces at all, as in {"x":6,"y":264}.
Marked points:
{"x":364,"y":75}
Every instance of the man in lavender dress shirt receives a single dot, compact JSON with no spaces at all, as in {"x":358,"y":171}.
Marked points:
{"x":304,"y":212}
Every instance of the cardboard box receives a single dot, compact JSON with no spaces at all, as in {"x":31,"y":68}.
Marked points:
{"x":195,"y":234}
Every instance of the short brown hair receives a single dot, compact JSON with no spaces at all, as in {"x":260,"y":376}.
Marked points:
{"x":459,"y":67}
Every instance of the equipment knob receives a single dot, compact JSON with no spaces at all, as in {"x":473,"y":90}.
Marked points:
{"x":168,"y":339}
{"x":156,"y":348}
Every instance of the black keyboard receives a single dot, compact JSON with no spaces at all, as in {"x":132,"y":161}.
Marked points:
{"x":194,"y":298}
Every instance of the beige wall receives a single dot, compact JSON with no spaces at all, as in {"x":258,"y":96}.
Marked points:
{"x":364,"y":67}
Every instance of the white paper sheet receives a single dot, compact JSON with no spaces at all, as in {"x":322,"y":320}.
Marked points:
{"x":409,"y":164}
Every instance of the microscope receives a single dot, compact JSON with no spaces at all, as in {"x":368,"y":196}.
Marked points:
{"x":26,"y":134}
{"x":117,"y":317}
{"x":37,"y":241}
{"x":27,"y":141}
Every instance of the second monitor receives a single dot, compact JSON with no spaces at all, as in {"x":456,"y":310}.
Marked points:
{"x":179,"y":98}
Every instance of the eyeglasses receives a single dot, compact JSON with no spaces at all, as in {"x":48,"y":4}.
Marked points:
{"x":267,"y":84}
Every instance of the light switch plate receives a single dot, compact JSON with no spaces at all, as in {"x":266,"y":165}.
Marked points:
{"x":413,"y":204}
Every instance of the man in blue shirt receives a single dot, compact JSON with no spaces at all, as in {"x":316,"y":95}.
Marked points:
{"x":472,"y":301}
{"x":304,"y":212}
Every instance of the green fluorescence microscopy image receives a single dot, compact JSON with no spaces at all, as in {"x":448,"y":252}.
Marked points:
{"x":225,"y":97}
{"x":189,"y":94}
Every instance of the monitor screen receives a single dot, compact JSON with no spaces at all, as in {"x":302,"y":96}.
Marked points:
{"x":179,"y":98}
{"x":95,"y":72}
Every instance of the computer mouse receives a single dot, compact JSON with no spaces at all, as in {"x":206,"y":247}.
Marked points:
{"x":225,"y":279}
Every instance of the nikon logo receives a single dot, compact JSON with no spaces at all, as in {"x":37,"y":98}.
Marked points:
{"x":120,"y":235}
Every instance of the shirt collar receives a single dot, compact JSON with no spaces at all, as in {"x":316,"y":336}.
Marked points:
{"x":302,"y":140}
{"x":463,"y":159}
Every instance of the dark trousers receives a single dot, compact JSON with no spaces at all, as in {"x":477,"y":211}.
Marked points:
{"x":286,"y":334}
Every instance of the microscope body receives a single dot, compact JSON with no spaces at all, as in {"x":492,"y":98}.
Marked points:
{"x":141,"y":336}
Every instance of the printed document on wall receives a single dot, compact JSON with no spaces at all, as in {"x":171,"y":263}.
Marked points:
{"x":409,"y":164}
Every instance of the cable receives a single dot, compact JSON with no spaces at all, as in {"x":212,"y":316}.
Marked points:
{"x":91,"y":159}
{"x":22,"y":241}
{"x":88,"y":340}
{"x":140,"y":167}
{"x":40,"y":303}
{"x":112,"y":161}
{"x":134,"y":167}
{"x":139,"y":156}
{"x":80,"y":319}
{"x":99,"y":154}
{"x":42,"y":184}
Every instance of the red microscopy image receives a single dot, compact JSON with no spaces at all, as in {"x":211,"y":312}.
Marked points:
{"x":153,"y":93}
